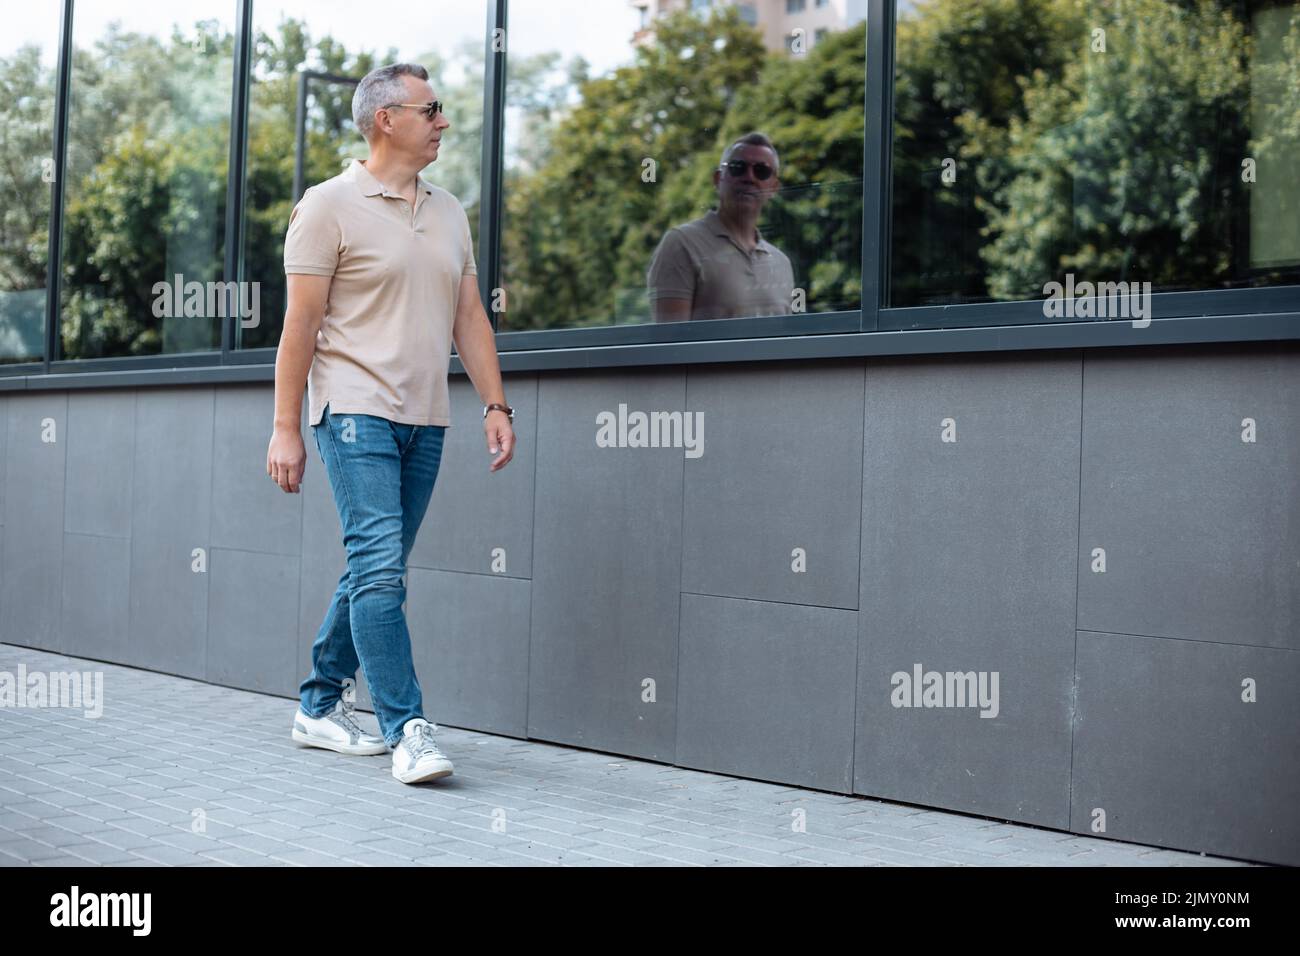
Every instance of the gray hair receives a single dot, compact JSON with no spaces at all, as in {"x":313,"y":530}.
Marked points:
{"x":378,"y":88}
{"x":753,"y":139}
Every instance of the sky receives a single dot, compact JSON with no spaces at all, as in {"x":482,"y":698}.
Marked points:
{"x":600,"y":30}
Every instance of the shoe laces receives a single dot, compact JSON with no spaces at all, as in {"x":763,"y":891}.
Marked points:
{"x":344,"y":718}
{"x":420,"y":742}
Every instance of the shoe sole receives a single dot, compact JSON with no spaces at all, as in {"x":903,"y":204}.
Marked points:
{"x":421,"y":777}
{"x":359,"y":750}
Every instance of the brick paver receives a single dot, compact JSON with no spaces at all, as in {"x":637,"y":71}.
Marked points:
{"x":181,"y":773}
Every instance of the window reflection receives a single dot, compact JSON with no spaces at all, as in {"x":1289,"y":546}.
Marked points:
{"x":719,"y":266}
{"x":342,"y":42}
{"x":29,"y":49}
{"x":1040,"y":141}
{"x":145,"y":189}
{"x":617,"y":123}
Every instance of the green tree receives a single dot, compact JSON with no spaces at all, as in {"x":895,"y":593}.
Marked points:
{"x":1125,"y":166}
{"x":1115,"y":165}
{"x":26,"y":145}
{"x":957,"y":60}
{"x":145,"y":194}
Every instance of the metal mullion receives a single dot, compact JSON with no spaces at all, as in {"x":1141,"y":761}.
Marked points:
{"x":236,"y":168}
{"x":54,"y":250}
{"x":877,"y":160}
{"x":490,"y":170}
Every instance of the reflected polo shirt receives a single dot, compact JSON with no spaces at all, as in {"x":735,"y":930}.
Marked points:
{"x":700,"y":261}
{"x":384,"y":344}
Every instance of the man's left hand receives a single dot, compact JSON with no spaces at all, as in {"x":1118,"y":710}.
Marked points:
{"x":500,"y":437}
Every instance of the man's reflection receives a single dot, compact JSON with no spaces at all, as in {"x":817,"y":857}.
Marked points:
{"x":718,"y":266}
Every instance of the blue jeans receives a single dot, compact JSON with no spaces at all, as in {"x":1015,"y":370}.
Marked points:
{"x":382,"y":474}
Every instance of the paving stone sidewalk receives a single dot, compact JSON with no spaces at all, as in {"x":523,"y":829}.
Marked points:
{"x":182,"y":773}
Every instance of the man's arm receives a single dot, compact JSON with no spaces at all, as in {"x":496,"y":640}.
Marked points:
{"x":671,"y":310}
{"x":286,"y":458}
{"x":477,"y":349}
{"x":670,"y":280}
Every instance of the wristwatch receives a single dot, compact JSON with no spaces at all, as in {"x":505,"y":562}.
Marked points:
{"x":510,"y":412}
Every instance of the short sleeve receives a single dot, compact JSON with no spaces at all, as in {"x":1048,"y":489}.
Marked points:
{"x":671,"y":274}
{"x":311,"y":244}
{"x":469,"y":268}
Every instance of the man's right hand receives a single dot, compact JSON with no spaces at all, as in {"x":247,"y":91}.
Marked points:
{"x":286,"y":459}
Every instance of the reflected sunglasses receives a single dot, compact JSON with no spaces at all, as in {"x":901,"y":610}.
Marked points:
{"x":430,"y":110}
{"x":736,"y":167}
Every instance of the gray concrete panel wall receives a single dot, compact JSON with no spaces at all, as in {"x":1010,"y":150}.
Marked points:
{"x":1114,"y":534}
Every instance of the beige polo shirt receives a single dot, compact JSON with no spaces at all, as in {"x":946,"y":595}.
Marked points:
{"x":384,"y":345}
{"x":700,"y":261}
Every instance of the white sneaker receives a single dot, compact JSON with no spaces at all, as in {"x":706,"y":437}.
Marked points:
{"x":416,"y":757}
{"x":338,"y":731}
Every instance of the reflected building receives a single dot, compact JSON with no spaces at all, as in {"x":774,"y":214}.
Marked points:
{"x":777,"y":20}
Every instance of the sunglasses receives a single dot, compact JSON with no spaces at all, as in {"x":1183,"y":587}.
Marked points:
{"x":430,"y":110}
{"x":736,"y":168}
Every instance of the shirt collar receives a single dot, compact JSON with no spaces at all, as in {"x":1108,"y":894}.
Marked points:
{"x":718,"y":229}
{"x":370,"y":186}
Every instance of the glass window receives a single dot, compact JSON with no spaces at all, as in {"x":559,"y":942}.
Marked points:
{"x":343,"y":42}
{"x":143,"y":246}
{"x":617,"y":207}
{"x":1041,"y":146}
{"x":29,"y":51}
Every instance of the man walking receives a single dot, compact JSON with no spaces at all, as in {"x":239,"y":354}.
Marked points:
{"x":381,"y":280}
